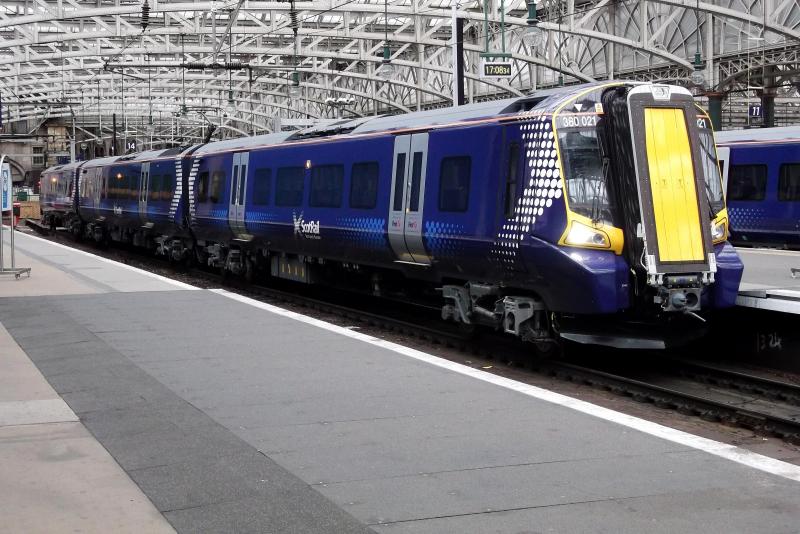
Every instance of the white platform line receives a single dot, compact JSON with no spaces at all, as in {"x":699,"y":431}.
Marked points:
{"x":768,"y":251}
{"x":164,"y":279}
{"x":771,"y":303}
{"x":723,"y":450}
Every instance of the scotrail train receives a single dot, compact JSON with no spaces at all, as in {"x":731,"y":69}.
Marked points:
{"x":761,"y":168}
{"x":591,"y":213}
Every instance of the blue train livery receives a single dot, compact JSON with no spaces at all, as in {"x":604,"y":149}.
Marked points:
{"x":761,"y":168}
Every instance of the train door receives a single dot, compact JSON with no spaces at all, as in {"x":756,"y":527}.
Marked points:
{"x":144,"y":186}
{"x":409,"y":166}
{"x":236,"y":207}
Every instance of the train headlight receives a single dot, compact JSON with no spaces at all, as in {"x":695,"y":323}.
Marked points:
{"x":719,"y":230}
{"x":581,"y":235}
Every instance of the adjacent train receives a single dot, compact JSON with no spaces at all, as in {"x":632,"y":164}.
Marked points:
{"x":761,"y":170}
{"x":592,"y":213}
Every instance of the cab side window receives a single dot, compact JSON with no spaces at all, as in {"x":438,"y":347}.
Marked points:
{"x":511,"y":179}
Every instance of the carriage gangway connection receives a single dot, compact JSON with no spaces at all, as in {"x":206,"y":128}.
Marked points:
{"x":771,"y":280}
{"x":208,"y":411}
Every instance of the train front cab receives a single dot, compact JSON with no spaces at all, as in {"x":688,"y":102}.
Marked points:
{"x":652,"y":197}
{"x":57,"y":195}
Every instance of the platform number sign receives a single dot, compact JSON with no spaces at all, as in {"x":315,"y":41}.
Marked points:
{"x":756,"y":111}
{"x":131,"y":146}
{"x":496,"y":69}
{"x":5,"y":187}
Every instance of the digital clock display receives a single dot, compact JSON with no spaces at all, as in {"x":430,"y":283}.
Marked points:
{"x":497,"y":70}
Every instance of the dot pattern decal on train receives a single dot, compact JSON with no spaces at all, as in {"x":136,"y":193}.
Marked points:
{"x":366,"y":231}
{"x":216,"y":214}
{"x":442,"y":238}
{"x":260,"y":217}
{"x":543,"y":187}
{"x":176,"y":196}
{"x":192,"y":176}
{"x":748,"y":218}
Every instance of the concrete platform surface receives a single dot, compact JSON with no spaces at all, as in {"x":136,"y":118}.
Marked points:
{"x":60,"y":270}
{"x":234,"y":416}
{"x":769,"y":269}
{"x":54,"y":476}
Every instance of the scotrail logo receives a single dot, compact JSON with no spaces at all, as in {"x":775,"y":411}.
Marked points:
{"x":303,"y":228}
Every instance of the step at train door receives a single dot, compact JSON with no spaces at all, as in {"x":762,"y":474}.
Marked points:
{"x":236,"y":208}
{"x":406,"y":204}
{"x":144,"y":187}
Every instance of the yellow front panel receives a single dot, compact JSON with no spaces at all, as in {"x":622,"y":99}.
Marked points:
{"x":672,"y":185}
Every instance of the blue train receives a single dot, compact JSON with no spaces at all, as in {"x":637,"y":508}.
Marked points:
{"x":592,"y":213}
{"x":761,"y":170}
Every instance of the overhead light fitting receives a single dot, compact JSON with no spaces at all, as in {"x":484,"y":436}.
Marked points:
{"x":386,"y":69}
{"x":533,"y":35}
{"x":697,"y":76}
{"x":294,"y":85}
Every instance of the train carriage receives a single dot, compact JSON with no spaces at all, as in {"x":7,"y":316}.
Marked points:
{"x":593,"y":213}
{"x":761,"y":169}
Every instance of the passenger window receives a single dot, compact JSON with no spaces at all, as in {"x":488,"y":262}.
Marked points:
{"x":167,"y":186}
{"x":789,"y":182}
{"x":399,"y":182}
{"x":289,"y":186}
{"x":202,"y":187}
{"x":327,"y":182}
{"x":364,"y":185}
{"x":120,"y":184}
{"x":234,"y":184}
{"x":747,"y":182}
{"x":133,"y":184}
{"x":155,"y":187}
{"x":416,"y":178}
{"x":217,"y":186}
{"x":262,"y":187}
{"x":454,"y":181}
{"x":243,"y":174}
{"x":511,"y":179}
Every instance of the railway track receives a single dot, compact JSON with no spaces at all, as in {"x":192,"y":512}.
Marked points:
{"x":765,"y":406}
{"x":710,"y":391}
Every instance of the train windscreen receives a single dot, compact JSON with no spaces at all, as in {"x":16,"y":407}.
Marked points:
{"x":585,"y":176}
